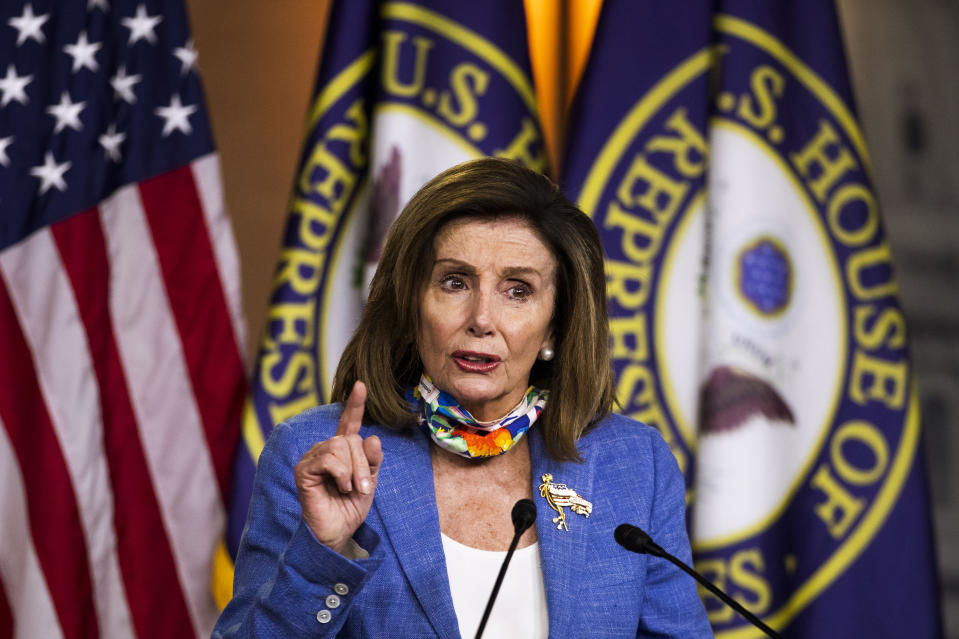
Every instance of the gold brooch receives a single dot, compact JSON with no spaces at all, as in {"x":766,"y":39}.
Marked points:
{"x":559,"y":495}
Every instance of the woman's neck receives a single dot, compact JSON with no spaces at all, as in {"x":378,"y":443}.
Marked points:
{"x":474,"y":497}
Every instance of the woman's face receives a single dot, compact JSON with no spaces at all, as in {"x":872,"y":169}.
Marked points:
{"x":486,"y":312}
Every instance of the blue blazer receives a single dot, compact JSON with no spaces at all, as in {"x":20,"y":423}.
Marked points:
{"x":594,"y":588}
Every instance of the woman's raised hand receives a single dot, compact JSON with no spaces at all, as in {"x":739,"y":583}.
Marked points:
{"x":336,"y":478}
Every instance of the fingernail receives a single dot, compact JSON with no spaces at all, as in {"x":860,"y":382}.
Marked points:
{"x":365,"y":486}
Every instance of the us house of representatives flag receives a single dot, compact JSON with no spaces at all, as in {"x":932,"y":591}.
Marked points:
{"x":121,"y":378}
{"x":404,"y":91}
{"x":754,"y":308}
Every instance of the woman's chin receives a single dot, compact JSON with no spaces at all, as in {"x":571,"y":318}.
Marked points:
{"x":483,"y":403}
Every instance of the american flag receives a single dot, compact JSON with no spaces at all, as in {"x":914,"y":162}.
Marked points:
{"x":121,"y":376}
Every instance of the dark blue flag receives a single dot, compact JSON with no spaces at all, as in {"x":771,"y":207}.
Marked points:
{"x":405,"y":90}
{"x":754,"y":309}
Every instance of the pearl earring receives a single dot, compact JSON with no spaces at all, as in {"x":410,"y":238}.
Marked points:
{"x":546,"y":353}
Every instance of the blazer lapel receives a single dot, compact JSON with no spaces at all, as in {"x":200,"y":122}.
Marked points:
{"x":562,"y":552}
{"x":406,"y":503}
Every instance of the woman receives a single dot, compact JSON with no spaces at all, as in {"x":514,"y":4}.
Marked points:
{"x":479,"y":375}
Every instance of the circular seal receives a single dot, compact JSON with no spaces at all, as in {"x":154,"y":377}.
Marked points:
{"x":754,"y":317}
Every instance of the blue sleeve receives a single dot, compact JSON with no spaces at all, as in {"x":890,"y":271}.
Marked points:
{"x":671,"y":605}
{"x":283,"y":575}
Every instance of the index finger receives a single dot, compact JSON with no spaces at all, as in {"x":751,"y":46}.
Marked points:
{"x":352,"y":417}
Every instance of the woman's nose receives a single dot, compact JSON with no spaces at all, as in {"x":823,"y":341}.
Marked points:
{"x":481,"y":315}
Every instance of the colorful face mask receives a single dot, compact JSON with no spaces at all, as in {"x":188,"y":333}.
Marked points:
{"x":453,"y":428}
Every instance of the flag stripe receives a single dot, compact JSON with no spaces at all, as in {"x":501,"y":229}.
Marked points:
{"x":199,"y":309}
{"x":166,"y":411}
{"x":49,"y":318}
{"x":137,"y":518}
{"x":25,"y":589}
{"x":6,"y":616}
{"x":51,"y":503}
{"x":206,"y":174}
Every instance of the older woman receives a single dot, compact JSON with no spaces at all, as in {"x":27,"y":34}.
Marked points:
{"x":479,"y":375}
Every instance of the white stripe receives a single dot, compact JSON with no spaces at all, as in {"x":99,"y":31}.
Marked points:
{"x":46,"y":307}
{"x":170,"y":426}
{"x":20,"y":572}
{"x":206,"y":173}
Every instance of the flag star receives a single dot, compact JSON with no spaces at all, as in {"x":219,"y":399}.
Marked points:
{"x":12,"y":86}
{"x":187,"y":56}
{"x":123,"y":85}
{"x":29,"y":25}
{"x":4,"y":143}
{"x":67,"y":113}
{"x":141,"y":26}
{"x":111,"y":141}
{"x":51,"y":174}
{"x":97,"y":4}
{"x":176,"y":116}
{"x":83,"y":53}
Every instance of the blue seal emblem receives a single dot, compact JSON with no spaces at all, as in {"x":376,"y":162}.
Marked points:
{"x":765,"y":276}
{"x":754,"y":317}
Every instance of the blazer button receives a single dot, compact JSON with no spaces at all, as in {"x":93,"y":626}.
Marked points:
{"x":332,"y":601}
{"x":324,"y":616}
{"x":341,"y":589}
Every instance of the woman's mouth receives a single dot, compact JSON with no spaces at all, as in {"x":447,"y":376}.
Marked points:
{"x":473,"y":362}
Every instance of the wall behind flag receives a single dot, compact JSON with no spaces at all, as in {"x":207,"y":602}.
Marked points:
{"x":259,"y":61}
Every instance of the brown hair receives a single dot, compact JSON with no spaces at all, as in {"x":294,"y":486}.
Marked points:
{"x":383,"y":351}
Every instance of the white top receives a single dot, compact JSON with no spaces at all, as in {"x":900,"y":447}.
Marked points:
{"x":520,"y":608}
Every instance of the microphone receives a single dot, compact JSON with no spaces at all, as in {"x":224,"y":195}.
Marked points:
{"x":635,"y":539}
{"x":524,"y":514}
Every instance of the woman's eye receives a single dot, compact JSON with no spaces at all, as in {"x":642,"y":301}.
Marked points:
{"x":520,"y":291}
{"x":452,"y":282}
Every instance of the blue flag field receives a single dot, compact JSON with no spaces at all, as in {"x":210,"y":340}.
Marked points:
{"x":754,"y":309}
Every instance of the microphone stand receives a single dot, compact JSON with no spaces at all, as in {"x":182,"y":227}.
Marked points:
{"x":524,"y":514}
{"x":635,"y":539}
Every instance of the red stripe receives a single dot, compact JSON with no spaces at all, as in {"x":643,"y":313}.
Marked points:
{"x":6,"y":616}
{"x":188,"y":264}
{"x":51,"y":503}
{"x":146,"y":560}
